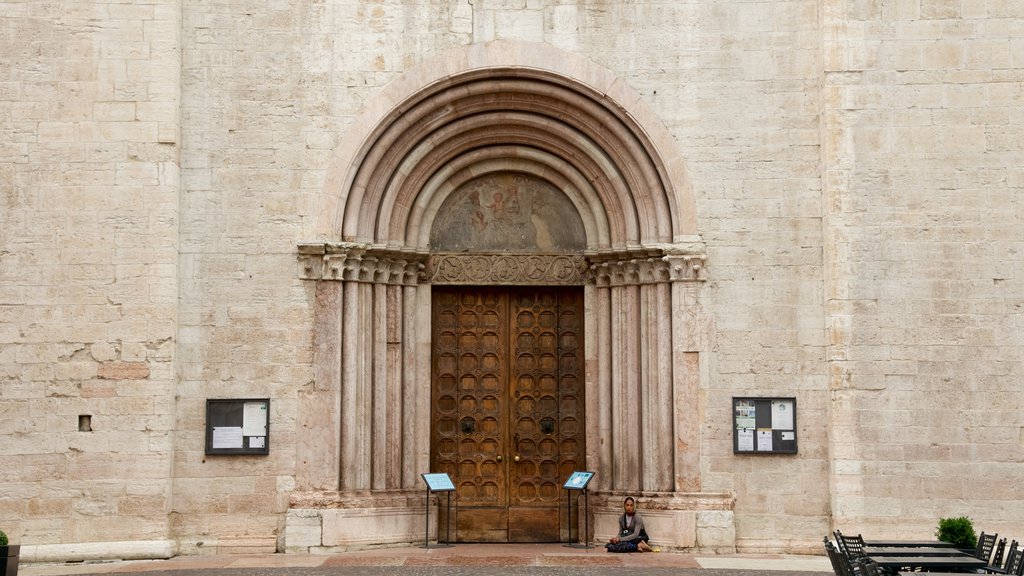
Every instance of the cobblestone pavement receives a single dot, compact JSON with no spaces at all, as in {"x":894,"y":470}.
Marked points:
{"x":460,"y":560}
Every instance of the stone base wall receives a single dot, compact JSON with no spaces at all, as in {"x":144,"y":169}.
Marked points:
{"x":327,"y":530}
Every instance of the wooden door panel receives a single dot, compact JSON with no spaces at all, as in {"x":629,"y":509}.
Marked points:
{"x":482,"y":524}
{"x":507,"y":407}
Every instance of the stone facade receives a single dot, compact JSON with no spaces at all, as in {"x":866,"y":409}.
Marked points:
{"x":811,"y":199}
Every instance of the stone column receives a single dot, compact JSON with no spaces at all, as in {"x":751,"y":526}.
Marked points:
{"x":689,"y":333}
{"x":651,"y":442}
{"x":318,"y":468}
{"x":360,"y":420}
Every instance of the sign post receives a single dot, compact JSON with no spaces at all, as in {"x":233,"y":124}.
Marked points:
{"x":438,"y":483}
{"x":578,"y":481}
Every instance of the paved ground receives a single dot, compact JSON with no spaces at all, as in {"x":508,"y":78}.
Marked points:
{"x":458,"y":560}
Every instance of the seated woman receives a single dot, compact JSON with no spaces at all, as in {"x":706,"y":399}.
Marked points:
{"x":632,"y":536}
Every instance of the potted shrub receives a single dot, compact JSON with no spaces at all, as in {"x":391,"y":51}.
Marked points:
{"x":8,"y":556}
{"x":958,"y":531}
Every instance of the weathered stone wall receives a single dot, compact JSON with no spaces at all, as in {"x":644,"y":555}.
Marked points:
{"x":922,"y":175}
{"x":856,"y":167}
{"x":89,"y":192}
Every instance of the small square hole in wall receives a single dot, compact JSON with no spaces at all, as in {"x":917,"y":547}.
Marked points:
{"x":85,"y":423}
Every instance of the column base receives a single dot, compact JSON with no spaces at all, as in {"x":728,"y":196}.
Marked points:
{"x":328,"y":522}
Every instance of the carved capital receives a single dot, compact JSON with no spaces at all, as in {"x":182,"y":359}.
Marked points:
{"x":651,"y":269}
{"x":358,"y":263}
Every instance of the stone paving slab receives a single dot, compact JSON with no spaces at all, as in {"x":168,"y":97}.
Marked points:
{"x":463,"y":559}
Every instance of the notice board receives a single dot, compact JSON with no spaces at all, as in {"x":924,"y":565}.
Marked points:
{"x":238,"y":426}
{"x":764,"y":425}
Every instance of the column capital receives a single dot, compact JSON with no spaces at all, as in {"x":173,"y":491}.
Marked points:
{"x":649,"y":266}
{"x":351,"y":262}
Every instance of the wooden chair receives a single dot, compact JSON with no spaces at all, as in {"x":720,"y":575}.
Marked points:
{"x":869,"y":567}
{"x":854,"y":546}
{"x":985,"y":544}
{"x":840,"y":563}
{"x":839,"y":542}
{"x":997,"y":555}
{"x":1014,"y":562}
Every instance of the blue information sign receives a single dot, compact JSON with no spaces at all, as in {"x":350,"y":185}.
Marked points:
{"x":438,"y":482}
{"x":578,"y":481}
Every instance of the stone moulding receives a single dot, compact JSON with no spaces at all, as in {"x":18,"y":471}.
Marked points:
{"x":359,"y":263}
{"x":537,"y":269}
{"x":366,"y":263}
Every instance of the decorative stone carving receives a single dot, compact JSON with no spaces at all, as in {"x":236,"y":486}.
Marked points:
{"x":365,"y":263}
{"x":359,"y":263}
{"x":648,"y":270}
{"x":537,"y":269}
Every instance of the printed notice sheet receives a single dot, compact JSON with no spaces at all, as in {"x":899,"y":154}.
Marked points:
{"x":745,"y":440}
{"x":782,"y":415}
{"x":254,"y":419}
{"x":764,"y":440}
{"x":227,"y":437}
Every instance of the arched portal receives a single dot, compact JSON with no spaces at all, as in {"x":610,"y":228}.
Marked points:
{"x":392,"y":227}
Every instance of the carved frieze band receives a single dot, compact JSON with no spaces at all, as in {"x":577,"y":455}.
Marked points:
{"x":546,"y":269}
{"x":359,"y":263}
{"x":363,"y":263}
{"x":652,"y":270}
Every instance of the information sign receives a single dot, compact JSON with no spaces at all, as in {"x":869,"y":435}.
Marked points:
{"x":578,"y":481}
{"x":238,"y":426}
{"x":764,"y":425}
{"x":439,"y":482}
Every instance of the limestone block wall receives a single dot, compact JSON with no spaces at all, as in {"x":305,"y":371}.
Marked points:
{"x":268,"y":94}
{"x":856,"y":168}
{"x":922,"y":171}
{"x":736,"y":84}
{"x":89,"y":181}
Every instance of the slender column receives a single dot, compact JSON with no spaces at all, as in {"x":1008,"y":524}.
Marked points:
{"x":410,"y":397}
{"x":422,"y":383}
{"x":597,"y":382}
{"x":364,"y":389}
{"x":379,"y":387}
{"x":647,"y":423}
{"x":393,"y":397}
{"x":665,"y":478}
{"x":349,"y":386}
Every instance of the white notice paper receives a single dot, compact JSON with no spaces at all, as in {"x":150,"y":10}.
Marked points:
{"x":764,"y":440}
{"x":227,"y":437}
{"x":254,"y":419}
{"x":782,"y":414}
{"x":258,"y":442}
{"x":745,"y":440}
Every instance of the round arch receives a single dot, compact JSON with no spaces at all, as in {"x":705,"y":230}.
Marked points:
{"x":560,"y":116}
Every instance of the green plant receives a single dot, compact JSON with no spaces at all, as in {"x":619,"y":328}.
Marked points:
{"x":957,"y":531}
{"x":3,"y":538}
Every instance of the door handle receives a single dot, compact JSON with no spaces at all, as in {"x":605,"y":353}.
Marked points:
{"x":516,"y":458}
{"x":499,"y":458}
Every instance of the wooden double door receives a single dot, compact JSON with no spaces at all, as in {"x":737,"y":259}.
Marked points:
{"x":507,"y":409}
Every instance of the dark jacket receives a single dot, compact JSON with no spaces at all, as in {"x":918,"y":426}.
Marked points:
{"x":636,"y":532}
